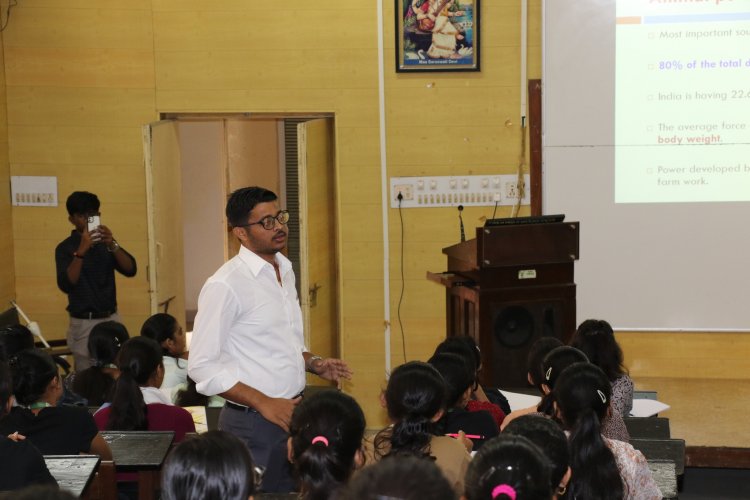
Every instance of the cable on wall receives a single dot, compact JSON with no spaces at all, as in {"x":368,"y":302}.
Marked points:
{"x":11,"y":4}
{"x":403,"y":278}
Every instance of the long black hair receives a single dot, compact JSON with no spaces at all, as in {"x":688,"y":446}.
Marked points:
{"x":326,"y":433}
{"x":104,"y":344}
{"x":138,"y":360}
{"x":414,"y":396}
{"x":557,"y":360}
{"x":458,"y":376}
{"x":508,"y":467}
{"x":583,"y":393}
{"x":211,"y":466}
{"x":596,"y":339}
{"x":537,"y":353}
{"x":32,"y":371}
{"x":467,"y":349}
{"x":160,"y":327}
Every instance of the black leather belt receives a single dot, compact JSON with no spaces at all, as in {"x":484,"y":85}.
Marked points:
{"x":235,"y":406}
{"x":92,"y":315}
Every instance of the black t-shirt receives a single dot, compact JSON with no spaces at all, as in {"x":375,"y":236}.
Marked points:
{"x":21,"y":465}
{"x":62,"y":430}
{"x":471,"y":422}
{"x":95,"y":290}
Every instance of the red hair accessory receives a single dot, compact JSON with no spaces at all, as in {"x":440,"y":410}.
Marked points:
{"x":504,"y":489}
{"x":320,"y":439}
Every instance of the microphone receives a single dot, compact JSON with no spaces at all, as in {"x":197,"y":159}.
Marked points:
{"x":461,"y":222}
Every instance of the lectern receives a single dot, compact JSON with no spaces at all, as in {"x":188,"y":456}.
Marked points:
{"x":509,"y":286}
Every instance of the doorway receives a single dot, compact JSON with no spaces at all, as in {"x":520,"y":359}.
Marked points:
{"x":291,"y":155}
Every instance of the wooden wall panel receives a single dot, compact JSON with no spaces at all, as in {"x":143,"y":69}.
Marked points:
{"x":80,"y":85}
{"x":7,"y":277}
{"x":686,"y":354}
{"x":82,"y":107}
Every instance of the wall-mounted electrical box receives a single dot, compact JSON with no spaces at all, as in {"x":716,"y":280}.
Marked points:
{"x":451,"y":191}
{"x":33,"y":191}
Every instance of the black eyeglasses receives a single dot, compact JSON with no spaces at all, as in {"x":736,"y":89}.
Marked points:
{"x":269,"y":221}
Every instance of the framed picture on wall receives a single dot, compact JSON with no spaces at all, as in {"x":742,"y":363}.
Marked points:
{"x":437,"y":35}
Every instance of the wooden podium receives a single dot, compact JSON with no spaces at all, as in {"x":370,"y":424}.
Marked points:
{"x":508,"y":287}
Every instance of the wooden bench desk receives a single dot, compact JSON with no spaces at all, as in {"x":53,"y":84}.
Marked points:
{"x":648,"y":427}
{"x":142,"y":452}
{"x":72,"y":472}
{"x":663,"y":449}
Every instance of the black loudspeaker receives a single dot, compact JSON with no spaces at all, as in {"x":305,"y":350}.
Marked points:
{"x":514,"y":327}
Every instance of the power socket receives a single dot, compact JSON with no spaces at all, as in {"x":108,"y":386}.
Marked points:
{"x":405,"y":190}
{"x":511,"y":190}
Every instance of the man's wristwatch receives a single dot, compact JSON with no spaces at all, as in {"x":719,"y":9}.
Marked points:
{"x":114,"y":247}
{"x":310,"y":363}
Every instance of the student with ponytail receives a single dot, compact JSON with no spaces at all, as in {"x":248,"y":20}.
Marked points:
{"x":325,"y":443}
{"x":602,"y":468}
{"x":97,"y":382}
{"x":415,"y":401}
{"x":509,"y":468}
{"x":137,"y":403}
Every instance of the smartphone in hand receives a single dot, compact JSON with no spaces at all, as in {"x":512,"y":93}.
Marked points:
{"x":93,"y":226}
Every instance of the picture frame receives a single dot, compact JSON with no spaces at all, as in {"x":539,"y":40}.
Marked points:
{"x":437,"y":35}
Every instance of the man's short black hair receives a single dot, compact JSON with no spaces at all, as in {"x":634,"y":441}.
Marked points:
{"x":242,"y":202}
{"x":82,"y":202}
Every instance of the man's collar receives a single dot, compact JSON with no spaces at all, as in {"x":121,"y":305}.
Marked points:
{"x":256,"y":263}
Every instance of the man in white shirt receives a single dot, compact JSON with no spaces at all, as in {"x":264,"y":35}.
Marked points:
{"x":247,"y":343}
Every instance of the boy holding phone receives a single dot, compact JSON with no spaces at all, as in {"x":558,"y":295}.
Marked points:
{"x":86,"y":262}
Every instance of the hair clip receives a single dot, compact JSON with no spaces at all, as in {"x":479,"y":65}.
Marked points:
{"x":504,"y":489}
{"x":548,"y":374}
{"x":602,"y":396}
{"x":320,"y":439}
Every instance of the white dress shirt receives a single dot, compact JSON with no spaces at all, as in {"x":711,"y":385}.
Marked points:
{"x":249,"y":329}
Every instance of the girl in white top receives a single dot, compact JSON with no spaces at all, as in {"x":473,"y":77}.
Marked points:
{"x":167,"y":332}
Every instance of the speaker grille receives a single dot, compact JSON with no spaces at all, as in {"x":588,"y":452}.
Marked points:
{"x":513,"y":326}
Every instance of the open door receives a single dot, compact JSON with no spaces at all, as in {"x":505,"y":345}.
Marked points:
{"x":318,"y":252}
{"x":161,"y":149}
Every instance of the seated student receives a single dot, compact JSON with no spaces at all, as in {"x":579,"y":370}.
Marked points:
{"x":535,"y":376}
{"x":14,"y":339}
{"x":414,"y":399}
{"x":508,"y":468}
{"x":167,"y":332}
{"x":480,"y":400}
{"x":20,"y":463}
{"x":547,"y":435}
{"x":459,"y":379}
{"x":602,"y":468}
{"x":596,"y":339}
{"x":325,"y":443}
{"x":400,"y":477}
{"x":613,"y":426}
{"x":53,"y":430}
{"x":97,"y":382}
{"x":137,"y":403}
{"x":211,"y":466}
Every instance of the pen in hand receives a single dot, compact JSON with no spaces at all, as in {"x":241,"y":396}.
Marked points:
{"x":470,"y":436}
